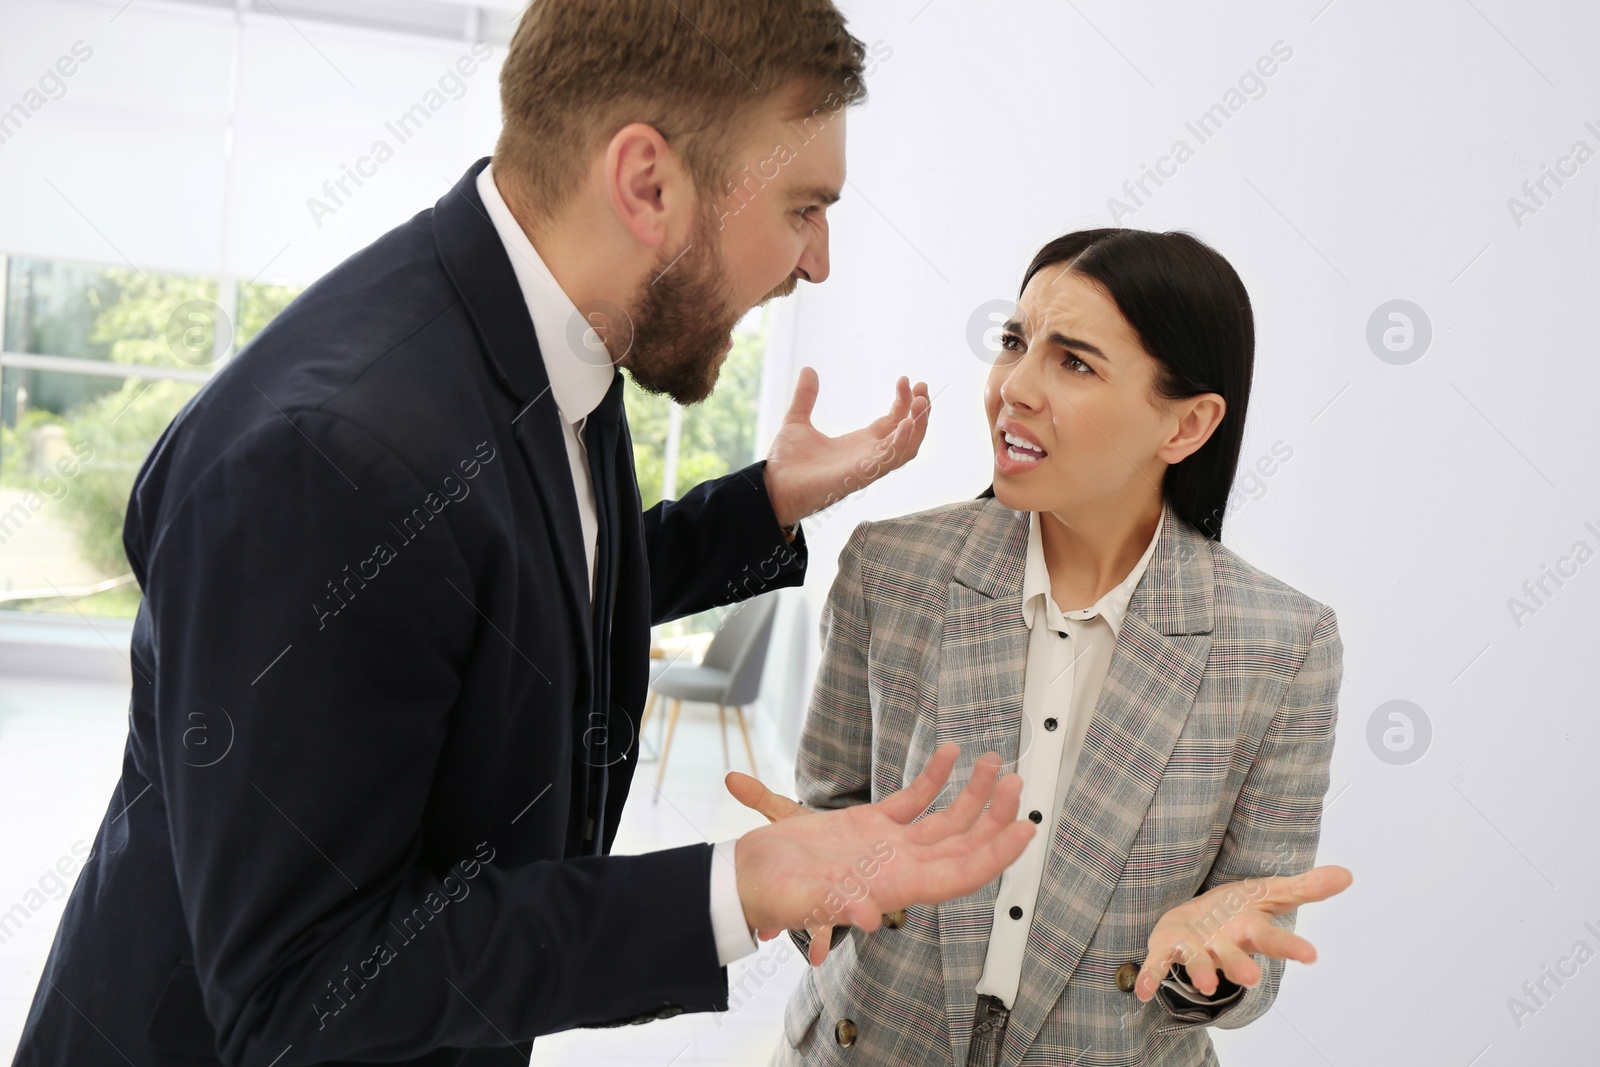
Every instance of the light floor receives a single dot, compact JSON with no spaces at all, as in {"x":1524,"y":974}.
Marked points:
{"x":60,"y":753}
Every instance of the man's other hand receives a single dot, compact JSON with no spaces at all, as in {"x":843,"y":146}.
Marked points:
{"x":813,"y":870}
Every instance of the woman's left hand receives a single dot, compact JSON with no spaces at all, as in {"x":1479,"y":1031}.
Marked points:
{"x":1222,"y":927}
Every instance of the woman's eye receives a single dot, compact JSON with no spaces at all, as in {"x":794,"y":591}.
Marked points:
{"x":1087,"y":370}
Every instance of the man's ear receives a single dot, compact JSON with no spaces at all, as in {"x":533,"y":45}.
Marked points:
{"x":646,"y":183}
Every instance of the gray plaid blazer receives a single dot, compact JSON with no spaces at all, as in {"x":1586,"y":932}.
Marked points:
{"x":1205,"y":763}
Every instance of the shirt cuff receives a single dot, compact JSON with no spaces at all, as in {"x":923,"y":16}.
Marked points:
{"x":734,"y":939}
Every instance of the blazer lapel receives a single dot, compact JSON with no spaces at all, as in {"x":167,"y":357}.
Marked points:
{"x":1156,"y":669}
{"x":476,"y":260}
{"x":982,"y":663}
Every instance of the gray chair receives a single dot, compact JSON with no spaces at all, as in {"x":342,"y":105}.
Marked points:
{"x":728,"y":676}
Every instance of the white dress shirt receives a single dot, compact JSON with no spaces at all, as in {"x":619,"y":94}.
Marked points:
{"x":580,"y":376}
{"x":1069,"y":656}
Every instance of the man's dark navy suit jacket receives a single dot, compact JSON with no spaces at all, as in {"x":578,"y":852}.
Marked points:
{"x":350,"y":819}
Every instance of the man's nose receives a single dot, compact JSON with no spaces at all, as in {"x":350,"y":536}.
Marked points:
{"x":813,"y":265}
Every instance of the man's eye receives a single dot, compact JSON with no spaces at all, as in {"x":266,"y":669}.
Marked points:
{"x":1011,"y":342}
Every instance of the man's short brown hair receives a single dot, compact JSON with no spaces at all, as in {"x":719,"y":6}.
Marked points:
{"x":579,"y":70}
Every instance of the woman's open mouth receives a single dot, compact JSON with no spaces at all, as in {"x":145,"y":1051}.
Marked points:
{"x":1016,"y":453}
{"x":1020,"y":448}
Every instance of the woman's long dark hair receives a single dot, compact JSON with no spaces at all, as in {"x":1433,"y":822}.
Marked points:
{"x":1192,"y":314}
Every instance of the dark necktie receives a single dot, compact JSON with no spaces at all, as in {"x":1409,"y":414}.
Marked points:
{"x":602,"y":434}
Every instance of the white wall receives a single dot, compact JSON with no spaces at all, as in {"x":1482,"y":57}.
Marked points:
{"x":1418,"y":498}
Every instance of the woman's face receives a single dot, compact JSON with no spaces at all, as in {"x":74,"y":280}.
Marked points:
{"x":1072,"y":389}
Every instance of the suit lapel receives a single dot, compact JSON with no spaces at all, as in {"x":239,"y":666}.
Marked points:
{"x":543,"y":444}
{"x":1156,"y":669}
{"x":476,"y":260}
{"x":982,"y":663}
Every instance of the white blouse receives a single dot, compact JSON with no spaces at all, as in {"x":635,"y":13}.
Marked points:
{"x":1069,"y":656}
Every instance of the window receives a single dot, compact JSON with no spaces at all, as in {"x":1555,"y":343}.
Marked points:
{"x":677,"y":448}
{"x":96,"y":361}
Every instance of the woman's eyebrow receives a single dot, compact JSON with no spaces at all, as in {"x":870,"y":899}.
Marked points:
{"x":1061,"y":340}
{"x":1073,"y":343}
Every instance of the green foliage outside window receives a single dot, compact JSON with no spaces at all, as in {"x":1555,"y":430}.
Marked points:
{"x":719,"y":433}
{"x":138,"y":319}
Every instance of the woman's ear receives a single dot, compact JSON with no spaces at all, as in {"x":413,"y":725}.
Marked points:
{"x":645,"y":182}
{"x":1198,"y":418}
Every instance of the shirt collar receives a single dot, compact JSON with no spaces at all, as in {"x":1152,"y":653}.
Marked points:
{"x":1113,"y":605}
{"x":579,"y":376}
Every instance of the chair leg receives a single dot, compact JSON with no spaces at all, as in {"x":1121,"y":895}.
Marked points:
{"x":722,"y":719}
{"x":644,"y":717}
{"x":672,"y":724}
{"x":748,"y":750}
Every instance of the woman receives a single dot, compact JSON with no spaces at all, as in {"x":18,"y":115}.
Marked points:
{"x":1169,"y":707}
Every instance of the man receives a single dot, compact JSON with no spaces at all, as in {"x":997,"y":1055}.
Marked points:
{"x":393,"y":647}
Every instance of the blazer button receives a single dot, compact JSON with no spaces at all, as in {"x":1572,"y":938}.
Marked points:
{"x":1127,"y":974}
{"x":895,"y":919}
{"x":845,"y":1032}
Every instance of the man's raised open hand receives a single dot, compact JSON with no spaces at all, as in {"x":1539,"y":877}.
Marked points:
{"x":808,"y":471}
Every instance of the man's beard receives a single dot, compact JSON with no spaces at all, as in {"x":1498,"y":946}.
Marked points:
{"x":682,"y":320}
